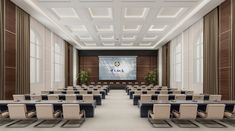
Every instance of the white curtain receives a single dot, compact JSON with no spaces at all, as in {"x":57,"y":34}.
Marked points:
{"x":160,"y":66}
{"x":75,"y":63}
{"x":186,"y":59}
{"x":42,"y":59}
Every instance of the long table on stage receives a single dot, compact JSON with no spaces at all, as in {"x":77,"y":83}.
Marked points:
{"x":88,"y":107}
{"x":146,"y":106}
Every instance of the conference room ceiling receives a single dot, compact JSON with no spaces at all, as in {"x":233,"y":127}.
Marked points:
{"x":117,"y":24}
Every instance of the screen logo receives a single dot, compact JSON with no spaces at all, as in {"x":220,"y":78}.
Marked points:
{"x":117,"y":63}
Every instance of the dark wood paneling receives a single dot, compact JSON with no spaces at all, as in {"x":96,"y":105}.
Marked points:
{"x":145,"y":64}
{"x":10,"y":16}
{"x":10,"y":49}
{"x":232,"y":91}
{"x":91,"y":65}
{"x":10,"y":82}
{"x":224,"y":50}
{"x":2,"y":49}
{"x":117,"y":52}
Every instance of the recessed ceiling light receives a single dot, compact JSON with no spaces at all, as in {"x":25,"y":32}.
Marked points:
{"x":134,"y":28}
{"x":127,"y":44}
{"x":145,"y":44}
{"x":165,"y":9}
{"x":65,"y":12}
{"x":89,"y":44}
{"x":77,"y":28}
{"x":136,"y":12}
{"x":153,"y":37}
{"x":108,"y":44}
{"x":104,"y":28}
{"x":128,"y":37}
{"x":85,"y":37}
{"x":107,"y":37}
{"x":100,"y":12}
{"x":154,"y":28}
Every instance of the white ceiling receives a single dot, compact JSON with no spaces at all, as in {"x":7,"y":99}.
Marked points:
{"x":117,"y":24}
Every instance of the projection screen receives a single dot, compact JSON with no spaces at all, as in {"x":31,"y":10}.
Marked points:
{"x":117,"y":67}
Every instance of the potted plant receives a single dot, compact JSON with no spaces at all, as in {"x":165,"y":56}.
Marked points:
{"x":83,"y":77}
{"x":152,"y":77}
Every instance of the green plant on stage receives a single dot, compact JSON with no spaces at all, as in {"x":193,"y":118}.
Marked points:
{"x":152,"y":77}
{"x":83,"y":77}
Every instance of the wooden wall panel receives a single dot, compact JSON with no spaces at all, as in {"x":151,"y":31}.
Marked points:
{"x":10,"y":49}
{"x":10,"y":82}
{"x":90,"y":64}
{"x":68,"y":64}
{"x":224,"y":50}
{"x":10,"y":16}
{"x":145,"y":64}
{"x":2,"y":12}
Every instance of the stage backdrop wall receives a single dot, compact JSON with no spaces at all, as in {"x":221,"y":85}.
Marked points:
{"x":146,"y":61}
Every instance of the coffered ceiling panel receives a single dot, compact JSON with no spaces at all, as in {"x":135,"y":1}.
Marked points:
{"x":117,"y":24}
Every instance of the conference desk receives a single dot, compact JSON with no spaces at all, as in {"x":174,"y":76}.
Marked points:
{"x":88,"y":107}
{"x":156,"y":92}
{"x":175,"y":104}
{"x":136,"y":98}
{"x":75,"y":92}
{"x":86,"y":89}
{"x":159,"y":89}
{"x":148,"y":89}
{"x":62,"y":97}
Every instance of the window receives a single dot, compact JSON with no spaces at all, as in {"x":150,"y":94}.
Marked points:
{"x":58,"y":62}
{"x":198,"y":59}
{"x":177,"y":61}
{"x":35,"y":58}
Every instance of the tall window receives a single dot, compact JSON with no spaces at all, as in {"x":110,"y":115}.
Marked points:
{"x":58,"y":62}
{"x":35,"y":58}
{"x":177,"y":61}
{"x":198,"y":59}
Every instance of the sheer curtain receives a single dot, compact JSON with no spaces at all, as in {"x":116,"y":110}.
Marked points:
{"x":46,"y":59}
{"x":160,"y":66}
{"x":75,"y":67}
{"x":187,"y":59}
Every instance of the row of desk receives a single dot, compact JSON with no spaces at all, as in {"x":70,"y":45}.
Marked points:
{"x":175,"y":104}
{"x":103,"y":93}
{"x":62,"y":97}
{"x":84,"y":88}
{"x":88,"y":107}
{"x":132,"y":89}
{"x":131,"y":93}
{"x":136,"y":98}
